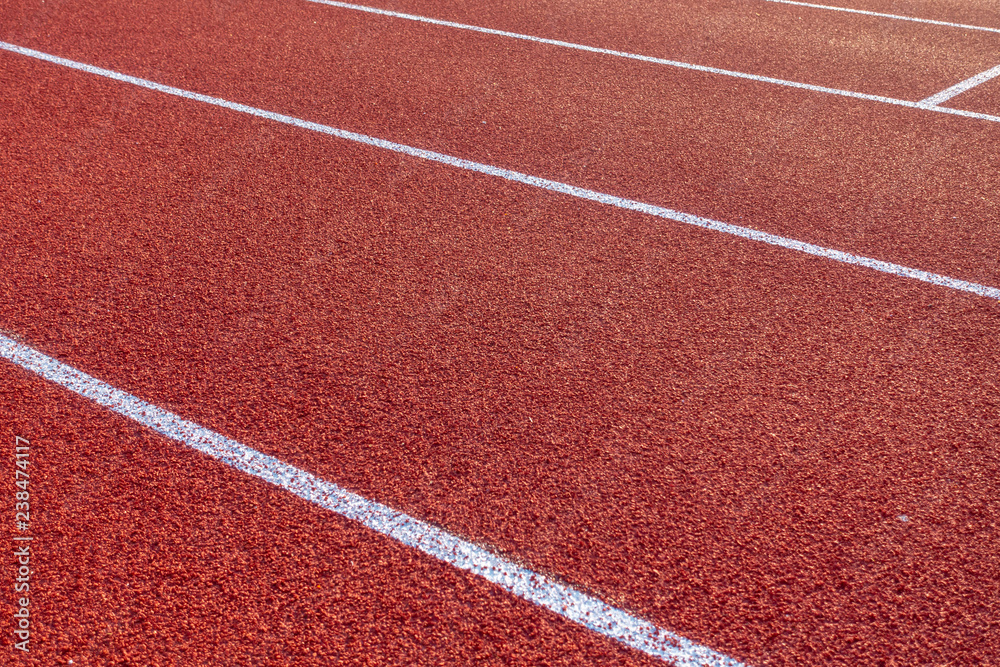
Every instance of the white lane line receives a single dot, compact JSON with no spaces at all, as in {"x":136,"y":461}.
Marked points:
{"x":536,"y":181}
{"x":960,"y":88}
{"x":661,"y":61}
{"x":522,"y":582}
{"x":886,"y":16}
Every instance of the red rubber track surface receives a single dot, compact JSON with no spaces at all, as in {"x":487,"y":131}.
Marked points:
{"x":984,"y":98}
{"x":967,"y":12}
{"x":716,"y":434}
{"x":147,"y":553}
{"x":864,"y":54}
{"x":858,"y":53}
{"x":908,"y":186}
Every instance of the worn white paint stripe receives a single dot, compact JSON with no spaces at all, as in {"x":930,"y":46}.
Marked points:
{"x":662,"y":61}
{"x":544,"y":183}
{"x":886,"y":16}
{"x":960,"y":88}
{"x":522,"y":582}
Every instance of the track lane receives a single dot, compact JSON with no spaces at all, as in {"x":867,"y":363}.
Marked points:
{"x":852,"y":176}
{"x":149,"y":553}
{"x":885,"y":15}
{"x":975,"y":12}
{"x":907,"y":61}
{"x":782,"y":41}
{"x":669,"y":215}
{"x":658,"y":407}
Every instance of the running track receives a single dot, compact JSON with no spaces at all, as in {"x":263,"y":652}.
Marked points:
{"x":455,"y":275}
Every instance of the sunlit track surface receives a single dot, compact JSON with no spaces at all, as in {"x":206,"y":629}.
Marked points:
{"x":932,"y":103}
{"x":534,"y":181}
{"x":533,"y":587}
{"x":883,"y":15}
{"x":603,"y":334}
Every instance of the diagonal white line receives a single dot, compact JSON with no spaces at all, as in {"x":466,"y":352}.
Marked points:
{"x":960,"y":88}
{"x":568,"y":602}
{"x":660,"y":61}
{"x":887,"y":16}
{"x":535,"y":181}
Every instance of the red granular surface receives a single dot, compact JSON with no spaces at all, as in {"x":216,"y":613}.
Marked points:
{"x":719,"y":435}
{"x":860,"y":53}
{"x":903,"y":185}
{"x":968,"y":12}
{"x":148,"y":553}
{"x":984,"y":98}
